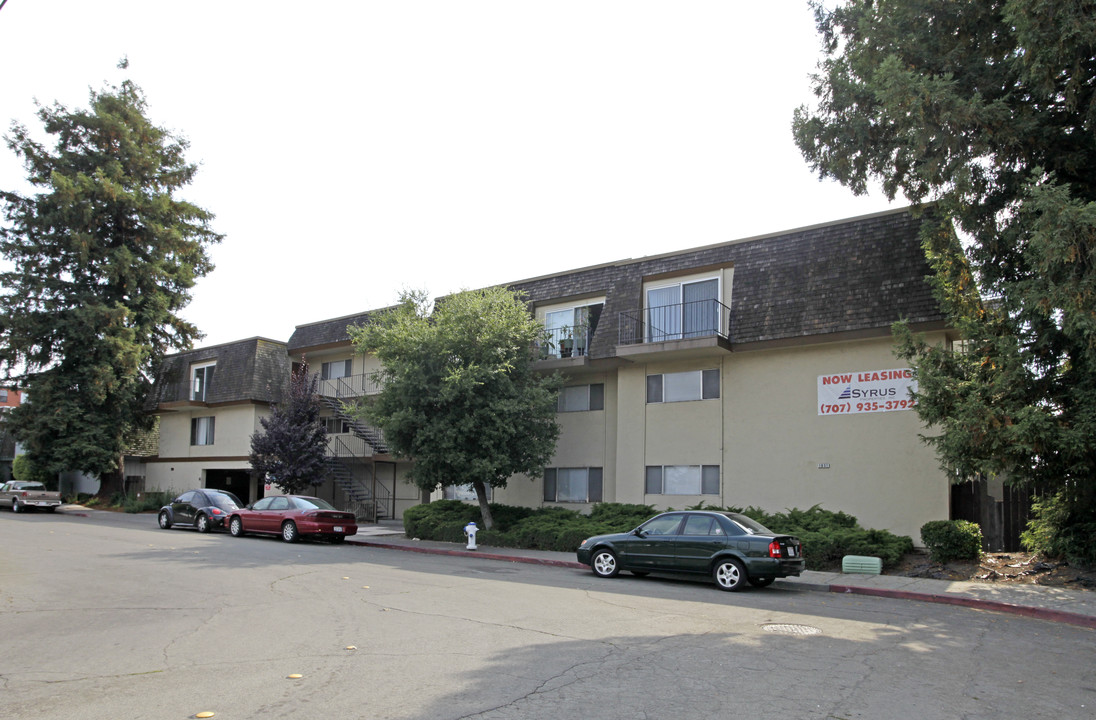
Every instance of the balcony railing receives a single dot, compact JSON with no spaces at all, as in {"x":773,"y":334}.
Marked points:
{"x":680,"y":321}
{"x":351,"y":386}
{"x":564,"y":342}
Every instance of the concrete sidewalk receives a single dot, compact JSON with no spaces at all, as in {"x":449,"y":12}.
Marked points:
{"x":1075,"y":607}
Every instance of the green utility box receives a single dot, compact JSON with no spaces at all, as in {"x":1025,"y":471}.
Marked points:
{"x":861,"y":564}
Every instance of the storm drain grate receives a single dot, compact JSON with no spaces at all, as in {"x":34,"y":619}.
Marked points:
{"x":790,"y":629}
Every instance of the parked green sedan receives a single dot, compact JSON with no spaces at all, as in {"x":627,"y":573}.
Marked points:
{"x":730,"y":547}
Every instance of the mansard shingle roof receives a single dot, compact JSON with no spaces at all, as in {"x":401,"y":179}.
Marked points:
{"x":852,"y":276}
{"x":849,"y":276}
{"x":325,"y":332}
{"x":256,"y":370}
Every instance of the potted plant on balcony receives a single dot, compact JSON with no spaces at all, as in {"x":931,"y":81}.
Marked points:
{"x":566,"y":342}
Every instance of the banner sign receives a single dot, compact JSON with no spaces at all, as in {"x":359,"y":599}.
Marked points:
{"x":865,"y":392}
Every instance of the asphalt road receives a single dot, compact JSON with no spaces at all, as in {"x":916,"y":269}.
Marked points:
{"x":111,"y":617}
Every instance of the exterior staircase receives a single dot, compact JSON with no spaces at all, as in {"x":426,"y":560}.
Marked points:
{"x":364,"y":442}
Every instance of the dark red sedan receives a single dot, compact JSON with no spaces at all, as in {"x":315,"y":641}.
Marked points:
{"x":293,"y":516}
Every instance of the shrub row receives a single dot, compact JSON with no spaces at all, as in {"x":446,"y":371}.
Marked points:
{"x":826,"y":535}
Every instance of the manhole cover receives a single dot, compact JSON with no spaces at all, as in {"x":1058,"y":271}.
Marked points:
{"x":790,"y":629}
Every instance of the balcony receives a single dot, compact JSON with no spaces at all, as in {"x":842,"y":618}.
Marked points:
{"x":565,"y":342}
{"x":350,"y":386}
{"x":702,"y":327}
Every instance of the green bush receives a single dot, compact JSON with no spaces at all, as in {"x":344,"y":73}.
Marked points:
{"x":1057,"y":529}
{"x":827,"y":536}
{"x":949,"y":540}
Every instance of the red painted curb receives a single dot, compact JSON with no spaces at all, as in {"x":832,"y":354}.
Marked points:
{"x":1024,"y":610}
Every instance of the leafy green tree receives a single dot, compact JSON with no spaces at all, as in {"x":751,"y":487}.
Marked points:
{"x":988,"y":111}
{"x":291,"y":449}
{"x":460,"y":396}
{"x":102,"y":260}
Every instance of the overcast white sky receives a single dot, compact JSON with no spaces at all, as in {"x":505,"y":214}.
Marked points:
{"x":351,"y":150}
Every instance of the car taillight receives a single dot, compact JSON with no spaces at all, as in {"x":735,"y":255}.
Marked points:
{"x":774,"y":549}
{"x":217,"y":511}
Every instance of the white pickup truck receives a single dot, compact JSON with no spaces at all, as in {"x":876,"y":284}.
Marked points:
{"x":22,"y":495}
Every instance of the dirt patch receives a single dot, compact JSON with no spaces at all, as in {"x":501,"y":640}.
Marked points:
{"x":998,"y":568}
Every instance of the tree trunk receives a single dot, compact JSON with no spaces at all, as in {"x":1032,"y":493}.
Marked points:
{"x":485,"y":509}
{"x":112,"y":483}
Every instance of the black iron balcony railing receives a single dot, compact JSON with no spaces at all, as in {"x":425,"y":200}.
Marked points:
{"x":351,"y":386}
{"x":680,"y":321}
{"x":564,"y":342}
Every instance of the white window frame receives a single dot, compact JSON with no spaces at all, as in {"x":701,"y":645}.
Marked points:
{"x":571,"y":398}
{"x":327,"y":367}
{"x":577,"y":322}
{"x":680,"y":382}
{"x":199,"y":386}
{"x":203,"y":433}
{"x":573,"y":478}
{"x":660,"y":330}
{"x":681,"y":483}
{"x":464,"y":493}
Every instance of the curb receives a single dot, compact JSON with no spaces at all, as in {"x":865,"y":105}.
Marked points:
{"x":470,"y":553}
{"x":1061,"y":616}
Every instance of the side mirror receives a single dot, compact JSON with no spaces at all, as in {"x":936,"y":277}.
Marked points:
{"x":638,"y":532}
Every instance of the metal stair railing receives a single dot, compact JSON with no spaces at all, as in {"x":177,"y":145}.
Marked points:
{"x":335,"y":392}
{"x":360,"y":497}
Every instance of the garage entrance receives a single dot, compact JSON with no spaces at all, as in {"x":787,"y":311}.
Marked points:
{"x":237,"y":482}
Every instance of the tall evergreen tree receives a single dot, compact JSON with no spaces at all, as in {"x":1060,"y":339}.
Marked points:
{"x":988,"y":109}
{"x":103,"y":257}
{"x":460,"y":395}
{"x":292,"y":446}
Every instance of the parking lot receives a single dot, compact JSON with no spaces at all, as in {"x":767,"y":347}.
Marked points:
{"x":108,"y":616}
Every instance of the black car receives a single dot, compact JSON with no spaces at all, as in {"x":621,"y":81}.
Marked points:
{"x":730,"y":547}
{"x":201,"y":509}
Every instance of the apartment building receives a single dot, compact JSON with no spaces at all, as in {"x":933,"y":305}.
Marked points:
{"x":209,"y":402}
{"x":753,"y":372}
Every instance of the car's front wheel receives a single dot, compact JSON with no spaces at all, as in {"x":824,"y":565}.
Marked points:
{"x":729,"y":575}
{"x":202,"y":523}
{"x":236,"y":526}
{"x":165,"y":520}
{"x":289,"y":532}
{"x":605,"y":564}
{"x":761,"y":581}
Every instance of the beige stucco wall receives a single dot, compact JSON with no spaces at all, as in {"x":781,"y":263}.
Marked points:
{"x":879,"y":470}
{"x":766,"y":435}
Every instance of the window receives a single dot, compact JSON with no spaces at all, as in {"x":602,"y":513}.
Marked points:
{"x":263,"y":504}
{"x":279,"y":502}
{"x":577,"y":485}
{"x":201,"y":431}
{"x":684,"y":310}
{"x":682,"y":480}
{"x":3,"y":396}
{"x":337,"y":369}
{"x":702,"y":525}
{"x":200,"y":378}
{"x":580,"y":398}
{"x":335,"y":426}
{"x":569,"y":330}
{"x":464,"y":492}
{"x":679,"y":387}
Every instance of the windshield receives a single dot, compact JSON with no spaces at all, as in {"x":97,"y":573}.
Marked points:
{"x":312,"y":503}
{"x":752,"y":527}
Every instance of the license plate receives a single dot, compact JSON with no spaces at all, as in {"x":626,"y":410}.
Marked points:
{"x":791,"y":551}
{"x":338,"y":528}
